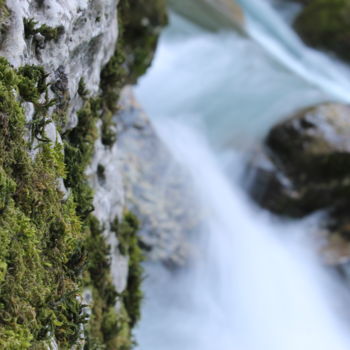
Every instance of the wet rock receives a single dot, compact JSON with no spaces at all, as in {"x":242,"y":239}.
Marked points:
{"x":325,"y":24}
{"x":305,"y":168}
{"x":270,"y":188}
{"x":313,"y":145}
{"x":309,"y":162}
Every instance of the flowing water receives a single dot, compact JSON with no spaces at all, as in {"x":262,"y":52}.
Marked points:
{"x":255,"y":284}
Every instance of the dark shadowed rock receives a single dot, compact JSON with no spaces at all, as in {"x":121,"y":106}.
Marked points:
{"x":310,"y":154}
{"x":325,"y":24}
{"x":305,"y":167}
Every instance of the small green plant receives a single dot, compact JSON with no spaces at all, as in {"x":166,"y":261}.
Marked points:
{"x":128,"y":244}
{"x":49,"y":33}
{"x":4,"y":19}
{"x":39,"y":229}
{"x":82,"y":90}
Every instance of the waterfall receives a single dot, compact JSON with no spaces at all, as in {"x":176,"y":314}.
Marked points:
{"x":267,"y":28}
{"x":255,"y":284}
{"x":247,"y":291}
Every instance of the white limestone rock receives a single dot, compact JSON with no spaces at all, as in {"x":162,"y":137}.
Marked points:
{"x":87,"y":41}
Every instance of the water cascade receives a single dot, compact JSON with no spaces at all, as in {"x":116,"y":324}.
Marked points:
{"x":266,"y":27}
{"x":255,"y":283}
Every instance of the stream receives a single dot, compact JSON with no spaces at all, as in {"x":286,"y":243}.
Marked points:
{"x":256,"y":283}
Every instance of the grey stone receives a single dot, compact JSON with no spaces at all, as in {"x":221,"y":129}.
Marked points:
{"x":156,"y":187}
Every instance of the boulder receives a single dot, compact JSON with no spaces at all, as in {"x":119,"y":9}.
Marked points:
{"x":310,"y":162}
{"x":305,"y":167}
{"x":325,"y":24}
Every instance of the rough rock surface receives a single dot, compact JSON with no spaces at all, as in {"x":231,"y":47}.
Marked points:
{"x":87,"y":38}
{"x":306,"y":167}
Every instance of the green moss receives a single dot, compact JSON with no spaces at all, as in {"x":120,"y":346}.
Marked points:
{"x":79,"y":149}
{"x":49,"y":239}
{"x":4,"y":16}
{"x":2,"y":5}
{"x":109,"y":328}
{"x":126,"y":232}
{"x":102,"y":327}
{"x":32,"y":83}
{"x":133,"y":54}
{"x":82,"y":91}
{"x":39,"y":230}
{"x":49,"y":33}
{"x":326,"y":24}
{"x":142,"y":21}
{"x":102,"y":331}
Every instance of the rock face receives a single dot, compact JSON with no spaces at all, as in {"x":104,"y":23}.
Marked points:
{"x":307,"y":167}
{"x":64,"y":224}
{"x":152,"y":176}
{"x":325,"y":24}
{"x":84,"y":42}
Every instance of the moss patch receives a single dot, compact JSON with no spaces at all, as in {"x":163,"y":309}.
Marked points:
{"x":126,"y":232}
{"x":40,"y":231}
{"x":31,"y":28}
{"x":4,"y":23}
{"x":140,"y":22}
{"x":110,"y":328}
{"x":51,"y":244}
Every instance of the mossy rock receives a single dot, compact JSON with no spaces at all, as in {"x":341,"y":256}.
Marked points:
{"x":310,"y":162}
{"x":4,"y":20}
{"x":142,"y":24}
{"x":40,"y":231}
{"x":313,"y":145}
{"x":51,"y":244}
{"x":325,"y":24}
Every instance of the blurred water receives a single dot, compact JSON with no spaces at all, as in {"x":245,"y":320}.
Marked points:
{"x":256,"y":284}
{"x":250,"y":289}
{"x":227,"y":83}
{"x":267,"y":28}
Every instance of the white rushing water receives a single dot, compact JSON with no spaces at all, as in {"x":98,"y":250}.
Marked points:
{"x":267,"y":28}
{"x":255,"y":284}
{"x":247,"y":291}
